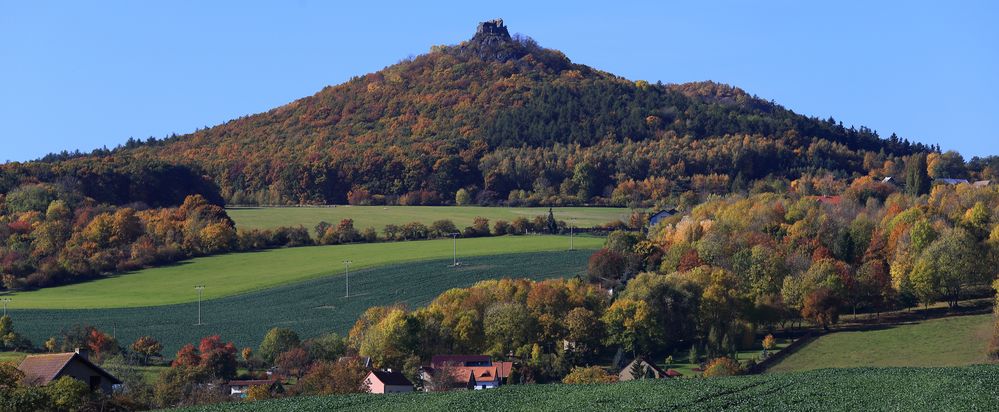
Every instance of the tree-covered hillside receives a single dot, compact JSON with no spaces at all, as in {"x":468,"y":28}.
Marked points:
{"x":509,"y":121}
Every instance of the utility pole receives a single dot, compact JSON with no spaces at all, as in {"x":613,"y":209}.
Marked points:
{"x":346,"y":273}
{"x":5,"y":302}
{"x":200,"y":289}
{"x":454,"y":237}
{"x":572,"y":224}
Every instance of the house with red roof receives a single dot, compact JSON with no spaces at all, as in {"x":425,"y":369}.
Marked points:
{"x":46,"y":368}
{"x":467,"y":371}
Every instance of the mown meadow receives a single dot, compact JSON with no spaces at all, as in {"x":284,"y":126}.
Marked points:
{"x":310,"y":307}
{"x":951,"y":341}
{"x":236,"y":273}
{"x":379,"y":216}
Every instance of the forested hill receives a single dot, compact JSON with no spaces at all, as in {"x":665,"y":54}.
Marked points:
{"x":507,"y":120}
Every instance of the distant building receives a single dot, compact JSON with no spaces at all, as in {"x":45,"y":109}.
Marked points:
{"x":437,"y":361}
{"x":948,"y":181}
{"x":660,"y":215}
{"x":239,"y":388}
{"x":888,"y":179}
{"x":649,"y":368}
{"x":43,"y":369}
{"x":387,"y":381}
{"x":828,"y":200}
{"x":467,"y":371}
{"x":982,"y":183}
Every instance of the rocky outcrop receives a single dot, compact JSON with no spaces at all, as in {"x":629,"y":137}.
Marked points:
{"x":492,"y":41}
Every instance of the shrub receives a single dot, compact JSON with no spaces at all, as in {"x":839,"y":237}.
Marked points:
{"x":592,"y":374}
{"x":722,"y":367}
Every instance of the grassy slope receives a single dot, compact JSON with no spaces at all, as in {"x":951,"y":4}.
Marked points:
{"x":12,"y":356}
{"x":310,"y":307}
{"x":950,"y":341}
{"x":969,"y":388}
{"x":379,"y":216}
{"x":235,"y":273}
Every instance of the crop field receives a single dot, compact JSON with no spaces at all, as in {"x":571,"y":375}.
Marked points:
{"x":952,"y":341}
{"x":971,"y":388}
{"x":311,"y":307}
{"x":379,"y":216}
{"x":235,"y":273}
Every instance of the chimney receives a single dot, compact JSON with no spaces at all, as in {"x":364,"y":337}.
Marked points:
{"x":85,"y":353}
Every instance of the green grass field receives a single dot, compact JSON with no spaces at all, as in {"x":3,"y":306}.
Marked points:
{"x":952,"y":341}
{"x":379,"y":216}
{"x":12,"y":356}
{"x":235,"y":273}
{"x":310,"y":307}
{"x":973,"y":388}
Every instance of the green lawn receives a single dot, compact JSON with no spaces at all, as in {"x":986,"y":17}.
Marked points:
{"x":379,"y":216}
{"x":309,"y":307}
{"x":12,"y":356}
{"x":973,"y":388}
{"x":952,"y":341}
{"x":230,"y":274}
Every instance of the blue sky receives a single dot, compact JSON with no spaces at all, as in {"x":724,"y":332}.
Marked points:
{"x":81,"y":76}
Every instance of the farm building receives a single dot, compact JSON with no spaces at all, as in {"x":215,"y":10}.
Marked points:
{"x":239,"y":388}
{"x":387,"y":381}
{"x":467,"y":371}
{"x":43,"y":369}
{"x":660,"y":215}
{"x":982,"y":183}
{"x":949,"y":181}
{"x":649,"y":370}
{"x":828,"y":200}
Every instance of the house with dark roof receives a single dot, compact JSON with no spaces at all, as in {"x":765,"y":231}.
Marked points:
{"x":649,"y":369}
{"x":660,"y":215}
{"x":387,"y":381}
{"x":949,"y":181}
{"x":43,"y":369}
{"x":437,"y":361}
{"x":239,"y":388}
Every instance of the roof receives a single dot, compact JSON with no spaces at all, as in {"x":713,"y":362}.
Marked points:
{"x":460,"y":360}
{"x":503,"y":369}
{"x":253,"y":382}
{"x":42,"y":369}
{"x":673,"y":373}
{"x":982,"y":183}
{"x":391,"y":378}
{"x":952,"y":181}
{"x":479,"y":373}
{"x":887,"y":179}
{"x":466,"y":374}
{"x":829,"y":200}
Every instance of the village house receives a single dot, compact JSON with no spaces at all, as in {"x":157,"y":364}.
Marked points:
{"x":949,"y":181}
{"x":239,"y":388}
{"x":467,"y":371}
{"x":660,"y":215}
{"x":387,"y":381}
{"x":648,"y":370}
{"x":43,"y":369}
